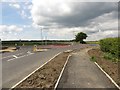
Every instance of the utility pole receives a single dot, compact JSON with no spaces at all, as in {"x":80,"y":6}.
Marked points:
{"x":41,"y":37}
{"x":73,"y":34}
{"x":0,"y":44}
{"x":46,"y":40}
{"x":20,"y":42}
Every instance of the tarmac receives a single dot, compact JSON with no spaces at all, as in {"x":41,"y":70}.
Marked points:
{"x":17,"y":65}
{"x":80,"y":73}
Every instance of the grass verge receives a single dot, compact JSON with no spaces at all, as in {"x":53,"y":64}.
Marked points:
{"x":108,"y":63}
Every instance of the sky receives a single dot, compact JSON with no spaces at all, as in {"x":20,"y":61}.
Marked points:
{"x":57,"y":19}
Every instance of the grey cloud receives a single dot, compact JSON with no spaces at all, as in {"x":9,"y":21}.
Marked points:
{"x":85,"y":16}
{"x":82,"y":14}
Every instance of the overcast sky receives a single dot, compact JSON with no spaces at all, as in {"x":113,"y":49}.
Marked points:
{"x":58,"y":19}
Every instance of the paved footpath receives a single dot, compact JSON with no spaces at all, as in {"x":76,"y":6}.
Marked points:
{"x":80,"y":72}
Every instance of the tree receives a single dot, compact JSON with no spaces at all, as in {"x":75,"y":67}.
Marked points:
{"x":80,"y":36}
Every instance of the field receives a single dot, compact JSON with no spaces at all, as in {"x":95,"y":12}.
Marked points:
{"x":34,"y":42}
{"x":92,"y":42}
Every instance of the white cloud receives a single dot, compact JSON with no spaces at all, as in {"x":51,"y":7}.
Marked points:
{"x":29,"y":7}
{"x":69,"y":0}
{"x":101,"y":35}
{"x":9,"y":28}
{"x":26,"y":26}
{"x":24,"y":8}
{"x":68,"y":16}
{"x":63,"y":19}
{"x":23,"y":14}
{"x":46,"y":9}
{"x":15,"y":5}
{"x":16,"y":1}
{"x":8,"y":32}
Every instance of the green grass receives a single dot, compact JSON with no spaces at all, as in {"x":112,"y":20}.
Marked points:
{"x":111,"y":57}
{"x":12,"y":43}
{"x":111,"y":48}
{"x":93,"y":58}
{"x":92,"y":42}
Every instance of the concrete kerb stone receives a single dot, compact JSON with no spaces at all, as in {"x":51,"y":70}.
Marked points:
{"x":33,"y":72}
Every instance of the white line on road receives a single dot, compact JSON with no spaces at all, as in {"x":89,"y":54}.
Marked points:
{"x":20,"y":57}
{"x":15,"y":56}
{"x":29,"y":52}
{"x":34,"y":71}
{"x":11,"y":55}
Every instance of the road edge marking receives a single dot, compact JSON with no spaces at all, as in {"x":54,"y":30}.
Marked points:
{"x":34,"y":71}
{"x":107,"y":75}
{"x":62,"y":72}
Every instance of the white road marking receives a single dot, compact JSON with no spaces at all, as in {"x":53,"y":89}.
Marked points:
{"x":19,"y":57}
{"x":34,"y":71}
{"x":11,"y":55}
{"x":29,"y":52}
{"x":15,"y":56}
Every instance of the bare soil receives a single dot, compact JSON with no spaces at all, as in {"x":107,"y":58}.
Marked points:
{"x":110,"y":67}
{"x":46,"y":76}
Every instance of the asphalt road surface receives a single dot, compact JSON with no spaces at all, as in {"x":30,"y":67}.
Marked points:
{"x":18,"y":64}
{"x":80,"y":72}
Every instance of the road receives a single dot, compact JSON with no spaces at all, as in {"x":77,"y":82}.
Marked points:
{"x":17,"y":65}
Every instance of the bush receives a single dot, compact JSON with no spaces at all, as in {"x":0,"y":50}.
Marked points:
{"x":111,"y":45}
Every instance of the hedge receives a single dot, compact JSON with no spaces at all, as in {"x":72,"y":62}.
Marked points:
{"x":111,"y":45}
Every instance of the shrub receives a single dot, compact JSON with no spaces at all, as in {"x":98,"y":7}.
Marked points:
{"x":111,"y":45}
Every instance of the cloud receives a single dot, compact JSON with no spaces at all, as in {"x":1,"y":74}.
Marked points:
{"x":23,"y":14}
{"x":9,"y":32}
{"x":69,"y":0}
{"x":68,"y":14}
{"x":15,"y":0}
{"x":17,"y":6}
{"x":10,"y":28}
{"x":61,"y":17}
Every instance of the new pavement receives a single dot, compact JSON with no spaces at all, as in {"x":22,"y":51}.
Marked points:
{"x":80,"y":73}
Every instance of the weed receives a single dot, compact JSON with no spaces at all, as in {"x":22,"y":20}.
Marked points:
{"x":93,"y":58}
{"x":111,"y":57}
